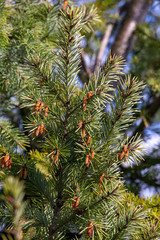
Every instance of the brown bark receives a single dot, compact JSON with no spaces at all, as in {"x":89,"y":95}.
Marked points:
{"x":125,"y":37}
{"x":104,"y":44}
{"x":107,"y":36}
{"x":124,"y":41}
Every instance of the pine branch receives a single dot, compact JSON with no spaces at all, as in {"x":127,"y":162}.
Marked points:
{"x":13,"y":194}
{"x":123,"y":112}
{"x":123,"y":228}
{"x":83,"y":211}
{"x":13,"y":135}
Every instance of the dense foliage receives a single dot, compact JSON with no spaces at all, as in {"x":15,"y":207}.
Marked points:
{"x":65,"y":150}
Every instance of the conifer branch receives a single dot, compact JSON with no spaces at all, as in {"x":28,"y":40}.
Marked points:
{"x":16,"y":136}
{"x":83,"y":211}
{"x":126,"y":223}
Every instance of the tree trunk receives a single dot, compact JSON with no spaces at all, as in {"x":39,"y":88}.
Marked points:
{"x":136,"y":14}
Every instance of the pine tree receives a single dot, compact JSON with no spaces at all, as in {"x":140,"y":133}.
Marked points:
{"x":64,"y":161}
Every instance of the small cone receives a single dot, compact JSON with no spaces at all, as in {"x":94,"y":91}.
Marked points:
{"x":37,"y":131}
{"x":41,"y":128}
{"x":41,"y":106}
{"x":125,"y":148}
{"x":88,"y":140}
{"x":84,"y":107}
{"x":75,"y":202}
{"x":100,"y":191}
{"x":89,"y":94}
{"x":10,"y":162}
{"x":65,"y":5}
{"x":85,"y":99}
{"x":80,"y":124}
{"x":121,"y":155}
{"x":37,"y":105}
{"x":87,"y":160}
{"x":56,"y":157}
{"x":46,"y":111}
{"x":90,"y":229}
{"x":92,"y":154}
{"x":101,"y":178}
{"x":83,"y":131}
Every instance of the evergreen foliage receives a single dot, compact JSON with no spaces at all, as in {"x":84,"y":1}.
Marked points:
{"x":66,"y":157}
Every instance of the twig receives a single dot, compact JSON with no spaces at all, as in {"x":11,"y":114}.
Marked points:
{"x":19,"y":90}
{"x":9,"y":133}
{"x":82,"y":211}
{"x":104,"y":43}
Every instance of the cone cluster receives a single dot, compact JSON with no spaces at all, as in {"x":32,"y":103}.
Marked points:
{"x":40,"y":130}
{"x":5,"y":161}
{"x":55,"y":153}
{"x":124,"y":153}
{"x":40,"y":107}
{"x":75,"y":202}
